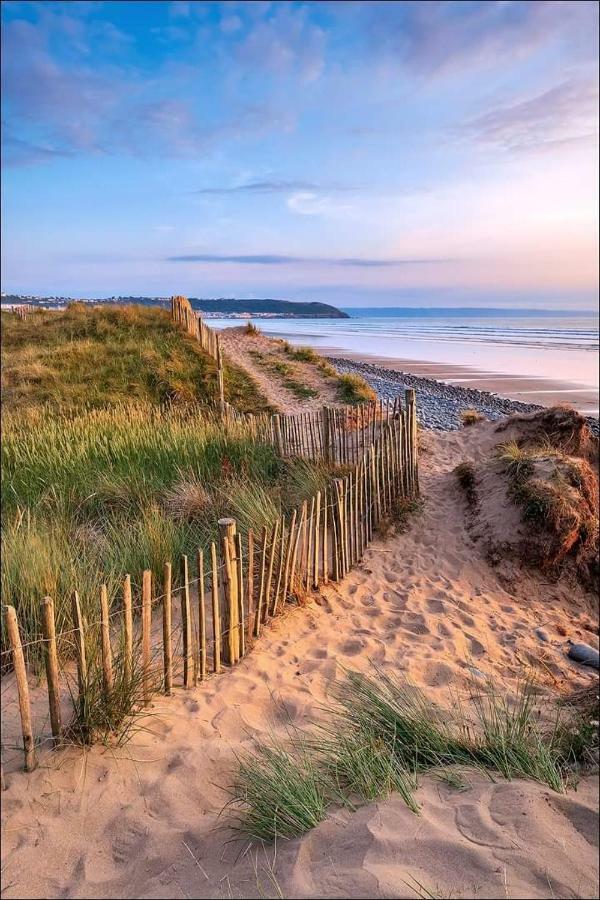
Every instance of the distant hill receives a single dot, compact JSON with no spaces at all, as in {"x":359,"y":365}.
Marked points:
{"x":310,"y":310}
{"x":222,"y":305}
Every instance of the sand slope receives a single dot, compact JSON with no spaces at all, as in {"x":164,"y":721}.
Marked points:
{"x":144,"y":821}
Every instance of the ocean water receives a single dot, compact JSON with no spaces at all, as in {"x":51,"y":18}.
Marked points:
{"x":523,"y":344}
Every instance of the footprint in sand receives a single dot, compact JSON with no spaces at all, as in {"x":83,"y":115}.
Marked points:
{"x":350,"y":648}
{"x":437,"y":674}
{"x":475,"y":646}
{"x":435,"y":606}
{"x":471,"y":824}
{"x":131,"y":837}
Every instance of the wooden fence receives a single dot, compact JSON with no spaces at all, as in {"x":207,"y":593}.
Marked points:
{"x":241,"y":582}
{"x":183,"y":314}
{"x":23,"y":310}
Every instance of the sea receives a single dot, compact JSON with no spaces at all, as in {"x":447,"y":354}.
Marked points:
{"x":515,"y":352}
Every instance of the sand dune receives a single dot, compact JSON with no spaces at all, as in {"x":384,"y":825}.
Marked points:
{"x":144,"y":821}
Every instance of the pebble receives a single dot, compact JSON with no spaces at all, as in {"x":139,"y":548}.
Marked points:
{"x":584,"y":654}
{"x":543,"y":635}
{"x":439,"y":405}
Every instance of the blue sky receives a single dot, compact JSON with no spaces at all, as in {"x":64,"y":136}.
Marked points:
{"x":371,"y":153}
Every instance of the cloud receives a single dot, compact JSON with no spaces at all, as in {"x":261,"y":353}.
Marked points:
{"x":562,"y":116}
{"x":275,"y":259}
{"x":284,"y":41}
{"x":439,"y":37}
{"x":267,"y":187}
{"x":59,"y":105}
{"x":309,"y":203}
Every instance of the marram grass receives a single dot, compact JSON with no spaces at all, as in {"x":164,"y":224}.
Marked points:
{"x":89,"y":496}
{"x":378,"y":737}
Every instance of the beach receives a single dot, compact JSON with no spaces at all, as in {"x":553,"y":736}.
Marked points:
{"x":149,"y":819}
{"x":535,"y":359}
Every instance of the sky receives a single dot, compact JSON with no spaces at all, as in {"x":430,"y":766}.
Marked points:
{"x":359,"y":153}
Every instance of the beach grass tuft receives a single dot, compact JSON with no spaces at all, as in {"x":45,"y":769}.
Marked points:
{"x":278,"y":792}
{"x":471,"y":417}
{"x":354,"y":389}
{"x":379,"y":734}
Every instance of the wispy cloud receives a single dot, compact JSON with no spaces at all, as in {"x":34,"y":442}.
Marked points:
{"x":558,"y":117}
{"x":276,"y":259}
{"x":267,"y":187}
{"x":439,"y":37}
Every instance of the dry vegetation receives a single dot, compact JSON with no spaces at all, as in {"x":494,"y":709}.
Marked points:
{"x":471,"y":417}
{"x":547,"y":471}
{"x":98,"y":356}
{"x":112,"y":461}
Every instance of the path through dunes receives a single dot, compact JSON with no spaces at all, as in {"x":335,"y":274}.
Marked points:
{"x":144,"y":821}
{"x":256,"y":354}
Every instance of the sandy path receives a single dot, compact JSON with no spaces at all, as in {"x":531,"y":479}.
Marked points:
{"x":237,"y":346}
{"x":144,"y":822}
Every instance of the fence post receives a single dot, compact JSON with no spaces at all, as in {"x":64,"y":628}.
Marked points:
{"x":107,"y":672}
{"x":411,"y":416}
{"x":14,"y":638}
{"x":79,"y":644}
{"x":167,"y":629}
{"x":241,"y":635}
{"x":216,"y":614}
{"x":277,"y":433}
{"x":340,"y":548}
{"x":51,"y":661}
{"x":146,"y":633}
{"x":326,"y":422}
{"x":227,"y":529}
{"x":250,"y":589}
{"x":127,"y":630}
{"x":201,"y":618}
{"x":186,"y":626}
{"x":220,"y":378}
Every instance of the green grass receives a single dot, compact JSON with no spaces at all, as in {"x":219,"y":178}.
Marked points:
{"x":308,"y":355}
{"x":353,"y":389}
{"x":96,"y":356}
{"x":90,"y":496}
{"x":465,"y":475}
{"x":278,"y":792}
{"x":379,"y":735}
{"x":288,"y":373}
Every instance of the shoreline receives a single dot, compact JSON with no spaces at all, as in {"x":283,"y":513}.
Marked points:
{"x":440,"y":402}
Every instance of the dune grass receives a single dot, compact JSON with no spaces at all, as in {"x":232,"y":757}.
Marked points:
{"x":354,"y":389}
{"x":96,"y":356}
{"x":558,"y":496}
{"x":471,"y":417}
{"x":380,"y":734}
{"x":279,"y":792}
{"x":89,"y":496}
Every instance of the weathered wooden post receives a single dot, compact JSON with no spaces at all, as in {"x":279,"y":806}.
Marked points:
{"x":227,"y":529}
{"x":14,"y":639}
{"x":220,"y":379}
{"x":51,"y":662}
{"x":277,"y":434}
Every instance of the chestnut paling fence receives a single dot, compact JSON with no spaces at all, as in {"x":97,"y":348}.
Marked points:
{"x":224,"y":598}
{"x":213,"y":617}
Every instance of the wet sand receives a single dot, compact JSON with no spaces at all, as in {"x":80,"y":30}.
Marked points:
{"x":542,"y":391}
